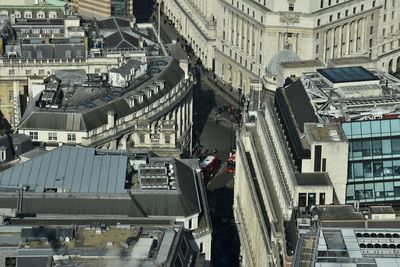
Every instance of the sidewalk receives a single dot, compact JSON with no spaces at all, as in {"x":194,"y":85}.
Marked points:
{"x":231,"y":95}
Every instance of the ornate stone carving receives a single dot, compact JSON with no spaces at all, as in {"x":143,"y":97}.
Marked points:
{"x":289,"y":18}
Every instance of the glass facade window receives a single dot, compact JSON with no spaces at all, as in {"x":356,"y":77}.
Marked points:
{"x":119,"y":8}
{"x":373,"y":128}
{"x":374,"y":160}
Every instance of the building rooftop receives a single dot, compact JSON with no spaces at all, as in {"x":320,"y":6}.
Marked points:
{"x":89,"y":181}
{"x":339,"y":212}
{"x":298,"y":104}
{"x":347,"y":74}
{"x":351,"y":93}
{"x":69,"y":169}
{"x":350,"y":60}
{"x":381,"y":209}
{"x":303,"y":64}
{"x":96,"y":245}
{"x":313,"y":179}
{"x":85,"y":107}
{"x":327,"y":132}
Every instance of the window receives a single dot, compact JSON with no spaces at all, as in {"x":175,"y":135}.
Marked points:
{"x":322,"y":4}
{"x":11,"y":95}
{"x":362,"y":7}
{"x":28,"y":72}
{"x":52,"y":136}
{"x":330,"y":18}
{"x":318,"y":22}
{"x":33,"y":135}
{"x":41,"y":72}
{"x":354,"y":10}
{"x":346,"y":13}
{"x":291,"y":7}
{"x":71,"y":137}
{"x":167,"y":139}
{"x":302,"y":200}
{"x":338,"y":15}
{"x":11,"y":72}
{"x":141,"y":138}
{"x":373,"y":3}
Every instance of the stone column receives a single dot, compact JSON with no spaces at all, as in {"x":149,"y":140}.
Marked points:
{"x":332,"y":43}
{"x":363,"y":34}
{"x":348,"y":38}
{"x":340,"y":41}
{"x":326,"y":46}
{"x":356,"y":35}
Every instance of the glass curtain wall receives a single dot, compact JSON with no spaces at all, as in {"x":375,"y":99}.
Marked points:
{"x":374,"y":160}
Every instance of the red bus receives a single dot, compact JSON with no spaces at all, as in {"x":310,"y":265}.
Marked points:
{"x":209,"y":166}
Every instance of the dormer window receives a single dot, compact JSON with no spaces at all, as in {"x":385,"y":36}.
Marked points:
{"x":28,"y":14}
{"x":52,"y":14}
{"x":40,"y":15}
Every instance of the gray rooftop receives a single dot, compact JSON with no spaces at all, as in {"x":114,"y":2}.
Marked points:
{"x":71,"y":169}
{"x":77,"y":180}
{"x":313,"y":179}
{"x":87,"y":108}
{"x":127,"y":67}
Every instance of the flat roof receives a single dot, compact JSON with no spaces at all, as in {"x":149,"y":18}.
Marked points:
{"x":313,"y":179}
{"x":381,"y":210}
{"x":69,"y":169}
{"x":339,"y":213}
{"x":347,"y":74}
{"x":324,"y":132}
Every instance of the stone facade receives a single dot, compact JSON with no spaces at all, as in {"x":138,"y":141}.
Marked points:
{"x":195,"y":21}
{"x":250,"y":33}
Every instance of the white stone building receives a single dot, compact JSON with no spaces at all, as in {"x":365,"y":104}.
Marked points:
{"x":250,"y":33}
{"x":154,"y":112}
{"x":196,"y":21}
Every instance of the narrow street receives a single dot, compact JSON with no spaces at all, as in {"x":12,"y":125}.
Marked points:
{"x":215,"y":131}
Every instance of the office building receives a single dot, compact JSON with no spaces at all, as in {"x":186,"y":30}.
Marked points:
{"x":75,"y":185}
{"x":341,"y":236}
{"x":365,"y":103}
{"x":268,"y":185}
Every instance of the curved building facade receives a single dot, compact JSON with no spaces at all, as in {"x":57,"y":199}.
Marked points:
{"x":152,"y":110}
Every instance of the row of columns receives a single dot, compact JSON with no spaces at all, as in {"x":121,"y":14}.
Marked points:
{"x":241,"y":33}
{"x":354,"y":31}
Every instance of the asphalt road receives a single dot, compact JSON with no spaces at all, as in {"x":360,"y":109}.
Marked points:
{"x":215,"y":131}
{"x":220,"y":136}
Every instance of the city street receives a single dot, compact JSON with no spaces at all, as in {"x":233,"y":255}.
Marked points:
{"x":215,"y":131}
